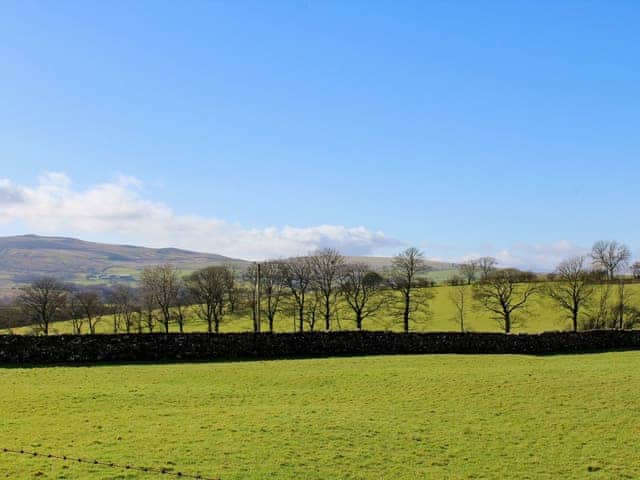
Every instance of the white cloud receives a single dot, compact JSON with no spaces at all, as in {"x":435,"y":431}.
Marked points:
{"x":117,"y":210}
{"x":537,"y":257}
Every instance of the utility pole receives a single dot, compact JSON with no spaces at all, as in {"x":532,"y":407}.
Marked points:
{"x":257,"y":299}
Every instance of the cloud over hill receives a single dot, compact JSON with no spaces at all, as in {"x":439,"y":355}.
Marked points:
{"x":117,"y":210}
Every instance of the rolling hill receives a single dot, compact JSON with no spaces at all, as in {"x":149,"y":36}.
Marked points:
{"x":383,"y":263}
{"x":25,"y":257}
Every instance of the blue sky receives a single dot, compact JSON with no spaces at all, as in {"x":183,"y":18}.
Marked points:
{"x":268,"y":128}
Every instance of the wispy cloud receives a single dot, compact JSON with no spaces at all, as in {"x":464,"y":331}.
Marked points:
{"x":539,"y":257}
{"x":117,"y":209}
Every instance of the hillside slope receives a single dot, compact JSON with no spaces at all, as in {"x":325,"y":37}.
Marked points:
{"x":24,"y":257}
{"x":383,"y":263}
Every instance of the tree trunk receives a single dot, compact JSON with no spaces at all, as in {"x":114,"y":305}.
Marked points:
{"x":254,"y":316}
{"x":405,"y":318}
{"x":621,"y":322}
{"x":507,"y":323}
{"x":327,"y":315}
{"x":301,"y":318}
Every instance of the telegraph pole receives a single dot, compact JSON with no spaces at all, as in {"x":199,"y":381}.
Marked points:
{"x":257,"y":298}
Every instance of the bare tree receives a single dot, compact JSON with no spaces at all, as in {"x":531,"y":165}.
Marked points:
{"x":161,"y":282}
{"x":635,"y":270}
{"x":75,"y":313}
{"x":458,"y":296}
{"x":456,"y":280}
{"x":272,"y":287}
{"x":600,"y":316}
{"x":138,"y":309}
{"x":623,"y":314}
{"x":361,"y":288}
{"x":297,"y":275}
{"x":571,"y":288}
{"x":182,"y":302}
{"x":253,"y":293}
{"x":406,"y":266}
{"x":235,"y":294}
{"x":326,"y":264}
{"x":501,"y":294}
{"x":90,"y":307}
{"x":469,"y":270}
{"x":147,"y":310}
{"x":210,"y":289}
{"x":610,"y":256}
{"x":123,"y":299}
{"x":11,"y":316}
{"x":486,"y":265}
{"x":312,"y":313}
{"x":43,"y":301}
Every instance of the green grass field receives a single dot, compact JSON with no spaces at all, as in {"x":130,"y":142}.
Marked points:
{"x":403,"y":417}
{"x":541,"y":315}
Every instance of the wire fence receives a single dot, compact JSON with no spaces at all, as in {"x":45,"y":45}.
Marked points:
{"x":169,"y":472}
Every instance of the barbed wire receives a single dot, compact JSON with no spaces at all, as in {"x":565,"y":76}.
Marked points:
{"x":119,"y":466}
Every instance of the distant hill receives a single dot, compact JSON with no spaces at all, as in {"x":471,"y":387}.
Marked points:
{"x":25,"y":257}
{"x":433,"y":270}
{"x":382,"y":263}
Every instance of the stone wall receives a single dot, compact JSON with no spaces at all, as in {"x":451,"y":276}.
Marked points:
{"x":57,"y":349}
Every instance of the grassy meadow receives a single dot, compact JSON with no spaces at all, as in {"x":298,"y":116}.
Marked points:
{"x":404,"y":417}
{"x":541,"y":315}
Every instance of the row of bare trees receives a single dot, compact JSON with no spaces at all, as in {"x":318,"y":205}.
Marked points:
{"x":311,"y":288}
{"x":314,"y":283}
{"x":589,"y":303}
{"x":162,"y":299}
{"x":47,"y":300}
{"x":576,"y":287}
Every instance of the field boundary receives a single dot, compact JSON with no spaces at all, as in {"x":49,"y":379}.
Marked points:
{"x":157,"y":347}
{"x":165,"y":471}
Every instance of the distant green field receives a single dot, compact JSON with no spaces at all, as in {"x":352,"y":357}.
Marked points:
{"x":405,"y":417}
{"x":441,"y":276}
{"x":541,"y":315}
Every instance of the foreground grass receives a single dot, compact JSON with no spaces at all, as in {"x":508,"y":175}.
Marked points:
{"x":346,"y":418}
